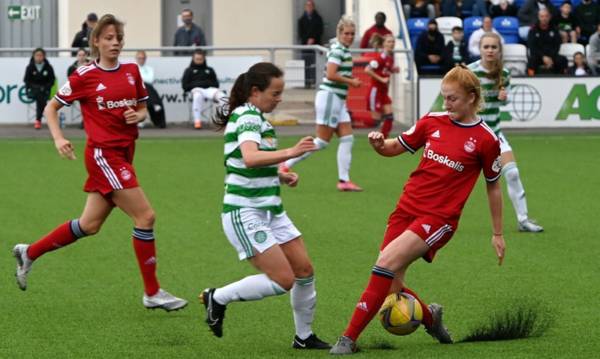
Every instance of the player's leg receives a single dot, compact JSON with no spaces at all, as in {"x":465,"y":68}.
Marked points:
{"x":94,"y":214}
{"x":303,"y":295}
{"x":344,"y":153}
{"x":197,"y":104}
{"x":134,"y":203}
{"x":514,"y":186}
{"x":388,"y":120}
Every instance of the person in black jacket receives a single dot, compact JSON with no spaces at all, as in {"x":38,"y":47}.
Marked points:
{"x":82,"y":60}
{"x":544,"y":42}
{"x":456,"y":51}
{"x":201,"y":81}
{"x":310,"y":30}
{"x":429,"y":49}
{"x":39,"y":79}
{"x":82,"y":38}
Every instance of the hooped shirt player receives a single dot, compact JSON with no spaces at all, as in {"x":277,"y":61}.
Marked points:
{"x":454,"y":154}
{"x":104,"y":95}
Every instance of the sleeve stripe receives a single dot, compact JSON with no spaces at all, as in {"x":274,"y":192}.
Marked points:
{"x":62,"y":101}
{"x":494,"y":179}
{"x":145,"y":98}
{"x":403,"y":143}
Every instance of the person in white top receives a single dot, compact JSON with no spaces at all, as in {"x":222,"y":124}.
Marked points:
{"x":476,"y":37}
{"x":156,"y":109}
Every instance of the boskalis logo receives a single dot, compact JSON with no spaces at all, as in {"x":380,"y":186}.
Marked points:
{"x":109,"y":105}
{"x":581,"y":103}
{"x":442,"y":159}
{"x":13,"y":92}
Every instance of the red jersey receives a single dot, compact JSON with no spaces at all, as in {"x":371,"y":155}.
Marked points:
{"x":383,"y":66}
{"x":453,"y":155}
{"x":104,"y":95}
{"x":364,"y":42}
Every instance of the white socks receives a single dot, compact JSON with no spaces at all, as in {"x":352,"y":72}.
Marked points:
{"x":321,"y":144}
{"x":344,"y":157}
{"x":253,"y":287}
{"x":515,"y":190}
{"x":304,"y":300}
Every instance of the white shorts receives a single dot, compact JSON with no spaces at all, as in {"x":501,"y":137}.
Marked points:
{"x":504,"y":145}
{"x":249,"y":230}
{"x":331,"y":109}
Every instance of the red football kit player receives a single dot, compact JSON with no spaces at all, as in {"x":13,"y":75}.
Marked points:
{"x":457,"y":147}
{"x":380,"y":70}
{"x":112,"y":97}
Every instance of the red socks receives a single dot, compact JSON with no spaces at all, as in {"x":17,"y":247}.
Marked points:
{"x":427,"y":319}
{"x":370,"y":301}
{"x":145,"y":251}
{"x":386,"y":126}
{"x":61,"y":236}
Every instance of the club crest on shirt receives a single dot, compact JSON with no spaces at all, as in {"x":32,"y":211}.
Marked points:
{"x":65,"y":90}
{"x":470,"y":145}
{"x":130,"y":79}
{"x":125,"y":174}
{"x":497,"y":165}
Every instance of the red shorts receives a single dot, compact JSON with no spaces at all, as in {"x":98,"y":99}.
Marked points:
{"x":435,"y":231}
{"x":109,"y":169}
{"x":377,"y":99}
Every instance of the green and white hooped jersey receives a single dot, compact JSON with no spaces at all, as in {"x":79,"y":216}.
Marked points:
{"x":339,"y":55}
{"x":250,"y":187}
{"x":489,"y":91}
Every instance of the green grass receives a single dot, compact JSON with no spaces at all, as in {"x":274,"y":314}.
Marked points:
{"x":85,"y":300}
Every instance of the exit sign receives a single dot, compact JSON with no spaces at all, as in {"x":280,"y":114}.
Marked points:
{"x":24,"y":12}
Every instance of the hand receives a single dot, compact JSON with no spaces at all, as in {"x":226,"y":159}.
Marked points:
{"x":502,"y":95}
{"x":499,"y":247}
{"x":65,"y":148}
{"x":385,"y":80}
{"x":376,"y":140}
{"x":289,"y":178}
{"x":548,"y":63}
{"x":434,"y":59}
{"x":131,"y":116}
{"x":306,"y":144}
{"x":310,"y":41}
{"x":354,"y":82}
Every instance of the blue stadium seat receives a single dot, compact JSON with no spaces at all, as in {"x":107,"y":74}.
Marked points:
{"x":557,"y":3}
{"x":471,"y":24}
{"x":519,"y":3}
{"x":508,"y":27}
{"x":416,"y":26}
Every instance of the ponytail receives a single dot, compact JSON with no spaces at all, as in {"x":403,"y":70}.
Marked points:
{"x":259,"y":76}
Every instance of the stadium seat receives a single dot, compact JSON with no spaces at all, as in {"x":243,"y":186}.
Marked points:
{"x":515,"y":58}
{"x":471,"y":24}
{"x":508,"y":27}
{"x":519,"y":3}
{"x":445,"y":25}
{"x":568,"y":50}
{"x":416,"y":26}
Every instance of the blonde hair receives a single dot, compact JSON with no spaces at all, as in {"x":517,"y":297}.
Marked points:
{"x":105,"y":21}
{"x":495,"y":72}
{"x":467,"y":81}
{"x":345,"y":21}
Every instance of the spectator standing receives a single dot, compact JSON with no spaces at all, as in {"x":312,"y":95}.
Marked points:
{"x":39,"y":79}
{"x":201,"y":81}
{"x":476,"y":37}
{"x":588,"y":17}
{"x":503,"y":8}
{"x":456,"y":52}
{"x":580,"y":67}
{"x":419,"y":8}
{"x":156,"y":109}
{"x":544,"y":43}
{"x":593,"y":54}
{"x":429,"y":48}
{"x":378,"y":28}
{"x":82,"y":38}
{"x":528,"y":15}
{"x":567,"y":23}
{"x":310,"y":30}
{"x":189,"y":34}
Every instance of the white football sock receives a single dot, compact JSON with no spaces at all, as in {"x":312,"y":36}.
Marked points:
{"x":304,"y":301}
{"x":515,"y":190}
{"x":321,"y":144}
{"x":344,"y":157}
{"x":253,"y":287}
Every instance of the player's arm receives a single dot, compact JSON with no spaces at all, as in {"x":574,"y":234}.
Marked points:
{"x":63,"y":146}
{"x":494,"y":193}
{"x":254,"y":157}
{"x":369,"y":70}
{"x":385,"y":147}
{"x":332,"y":75}
{"x":136,"y":115}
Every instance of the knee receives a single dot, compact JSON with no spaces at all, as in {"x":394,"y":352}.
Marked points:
{"x":347,"y":139}
{"x":321,"y":144}
{"x":146,"y":219}
{"x":510,"y":171}
{"x":90,"y":228}
{"x":285,"y":280}
{"x":304,"y":271}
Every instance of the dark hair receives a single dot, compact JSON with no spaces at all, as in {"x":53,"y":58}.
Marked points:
{"x":38,"y":49}
{"x":259,"y":76}
{"x":457,"y":28}
{"x":199,"y":52}
{"x":187,"y":10}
